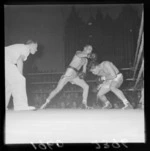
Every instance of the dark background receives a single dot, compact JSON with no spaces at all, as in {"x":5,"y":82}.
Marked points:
{"x":60,"y":30}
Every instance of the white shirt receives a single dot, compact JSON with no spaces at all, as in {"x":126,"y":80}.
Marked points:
{"x":13,"y":52}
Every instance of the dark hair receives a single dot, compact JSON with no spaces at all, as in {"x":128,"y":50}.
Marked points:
{"x":92,"y":65}
{"x":30,"y":42}
{"x":87,"y":45}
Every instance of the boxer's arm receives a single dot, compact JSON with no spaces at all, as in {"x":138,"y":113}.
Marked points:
{"x":85,"y":66}
{"x":80,"y":54}
{"x":99,"y":86}
{"x":20,"y":64}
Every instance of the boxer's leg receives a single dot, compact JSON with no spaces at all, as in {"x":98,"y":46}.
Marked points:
{"x":62,"y":82}
{"x":68,"y":76}
{"x":101,"y":95}
{"x":84,"y":86}
{"x":119,"y":94}
{"x":114,"y":88}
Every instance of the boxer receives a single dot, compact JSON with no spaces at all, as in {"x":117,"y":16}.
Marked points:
{"x":111,"y":81}
{"x":72,"y":75}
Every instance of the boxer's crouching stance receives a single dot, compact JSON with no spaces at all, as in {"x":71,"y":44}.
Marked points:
{"x":73,"y":76}
{"x":112,"y":80}
{"x":15,"y":82}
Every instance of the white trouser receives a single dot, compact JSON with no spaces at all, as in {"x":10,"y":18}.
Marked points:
{"x":107,"y":83}
{"x":15,"y":85}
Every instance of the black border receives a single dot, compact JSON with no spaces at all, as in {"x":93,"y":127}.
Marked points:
{"x":83,"y":146}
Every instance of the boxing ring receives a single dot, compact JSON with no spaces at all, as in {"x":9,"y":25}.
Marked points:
{"x":74,"y":126}
{"x":80,"y":125}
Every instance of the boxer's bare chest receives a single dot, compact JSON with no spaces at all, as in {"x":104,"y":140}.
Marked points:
{"x":78,"y":62}
{"x":103,"y":71}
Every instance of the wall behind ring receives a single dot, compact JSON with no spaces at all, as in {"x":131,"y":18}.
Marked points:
{"x":42,"y":25}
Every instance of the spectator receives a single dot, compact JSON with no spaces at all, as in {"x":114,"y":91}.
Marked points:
{"x":116,"y":106}
{"x":74,"y":105}
{"x":62,"y":105}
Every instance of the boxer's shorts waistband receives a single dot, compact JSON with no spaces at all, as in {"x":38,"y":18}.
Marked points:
{"x":118,"y":76}
{"x":73,"y":68}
